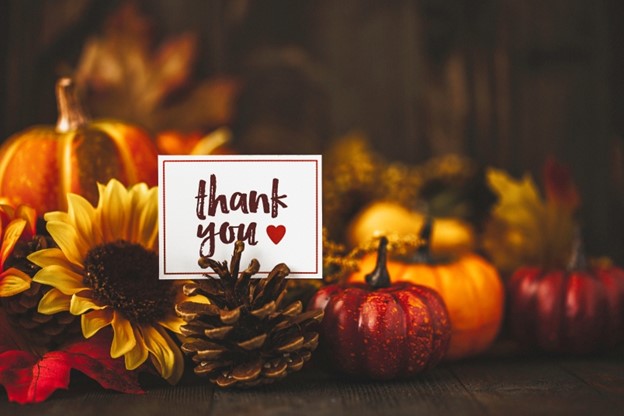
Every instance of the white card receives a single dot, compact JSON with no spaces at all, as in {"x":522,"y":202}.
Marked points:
{"x":272,"y":203}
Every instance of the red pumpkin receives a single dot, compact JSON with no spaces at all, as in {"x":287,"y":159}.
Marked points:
{"x":470,"y":286}
{"x":575,"y":311}
{"x":40,"y":165}
{"x":381,"y":330}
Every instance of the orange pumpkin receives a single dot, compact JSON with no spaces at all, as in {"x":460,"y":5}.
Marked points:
{"x":468,"y":284}
{"x":40,"y":165}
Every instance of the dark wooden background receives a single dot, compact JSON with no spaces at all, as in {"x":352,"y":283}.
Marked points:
{"x":506,"y":82}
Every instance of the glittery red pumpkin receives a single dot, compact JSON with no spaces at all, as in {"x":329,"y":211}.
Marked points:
{"x":381,"y":330}
{"x":39,"y":165}
{"x":470,"y":286}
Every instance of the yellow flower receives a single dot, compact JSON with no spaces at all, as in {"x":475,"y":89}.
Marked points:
{"x":106,"y":271}
{"x":16,"y":224}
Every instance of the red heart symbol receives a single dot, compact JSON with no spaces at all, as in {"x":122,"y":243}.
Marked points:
{"x":276,"y":233}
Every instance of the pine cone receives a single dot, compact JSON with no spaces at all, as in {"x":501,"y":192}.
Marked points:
{"x":244,"y":337}
{"x":46,"y":331}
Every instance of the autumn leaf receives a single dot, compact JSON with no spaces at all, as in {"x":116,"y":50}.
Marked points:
{"x":559,"y":185}
{"x":526,"y":228}
{"x":124,"y":73}
{"x":28,"y":378}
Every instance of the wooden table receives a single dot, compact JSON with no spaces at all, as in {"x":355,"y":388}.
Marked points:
{"x":499,"y":383}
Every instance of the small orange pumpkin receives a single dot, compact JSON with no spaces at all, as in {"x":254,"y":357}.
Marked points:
{"x":40,"y":165}
{"x":172,"y":142}
{"x":470,"y":287}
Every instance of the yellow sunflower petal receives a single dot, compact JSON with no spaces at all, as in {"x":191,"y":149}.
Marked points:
{"x":166,"y":356}
{"x":113,"y":209}
{"x":64,"y":235}
{"x":13,"y":281}
{"x":59,"y":216}
{"x":61,"y":278}
{"x":137,"y":202}
{"x":101,"y":192}
{"x":139,"y":191}
{"x":81,"y":214}
{"x":51,"y":257}
{"x":133,"y":218}
{"x":148,"y":220}
{"x":123,"y":337}
{"x":54,"y":301}
{"x":93,"y":321}
{"x":181,"y":297}
{"x":79,"y":305}
{"x":173,"y":323}
{"x":136,"y":356}
{"x":142,"y":222}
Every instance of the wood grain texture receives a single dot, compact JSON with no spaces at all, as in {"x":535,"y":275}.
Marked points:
{"x":535,"y":386}
{"x":318,"y":393}
{"x":496,"y":384}
{"x":605,"y":375}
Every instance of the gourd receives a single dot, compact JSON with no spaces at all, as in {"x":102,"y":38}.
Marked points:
{"x":40,"y":165}
{"x":379,"y":329}
{"x":450,"y":236}
{"x":573,"y":310}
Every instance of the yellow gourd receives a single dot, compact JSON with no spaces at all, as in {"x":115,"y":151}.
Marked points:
{"x":450,"y":235}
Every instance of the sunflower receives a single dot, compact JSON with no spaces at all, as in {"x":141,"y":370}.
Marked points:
{"x":16,"y":224}
{"x":106,"y":271}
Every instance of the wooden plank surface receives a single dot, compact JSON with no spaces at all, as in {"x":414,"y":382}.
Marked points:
{"x":318,"y":393}
{"x":531,"y":387}
{"x":490,"y":385}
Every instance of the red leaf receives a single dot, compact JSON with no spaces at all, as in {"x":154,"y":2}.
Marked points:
{"x":94,"y":360}
{"x":28,"y":379}
{"x":560,"y":186}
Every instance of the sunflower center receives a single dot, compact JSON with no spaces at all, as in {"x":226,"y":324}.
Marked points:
{"x":123,"y":275}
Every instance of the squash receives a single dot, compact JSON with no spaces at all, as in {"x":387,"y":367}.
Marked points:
{"x":172,"y":142}
{"x":573,"y":310}
{"x":450,"y":236}
{"x":41,"y":164}
{"x":470,"y":286}
{"x":382,"y":330}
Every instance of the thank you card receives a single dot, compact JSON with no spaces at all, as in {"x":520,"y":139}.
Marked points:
{"x":271,"y":203}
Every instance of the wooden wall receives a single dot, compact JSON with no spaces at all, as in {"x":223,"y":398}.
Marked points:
{"x":506,"y":82}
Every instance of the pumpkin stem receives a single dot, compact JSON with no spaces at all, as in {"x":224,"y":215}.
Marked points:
{"x":71,"y":114}
{"x":380,"y":277}
{"x":423,"y":254}
{"x":578,"y":260}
